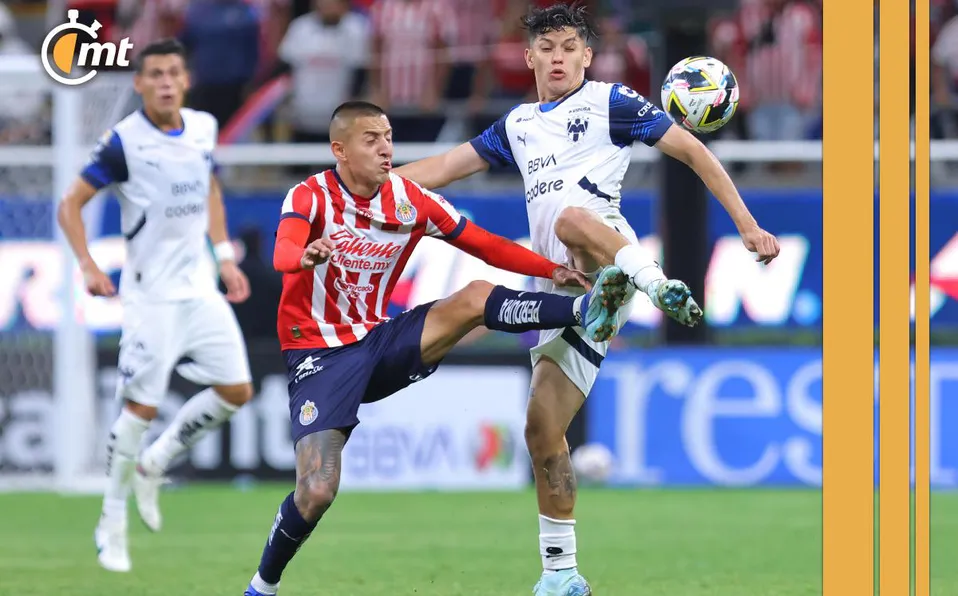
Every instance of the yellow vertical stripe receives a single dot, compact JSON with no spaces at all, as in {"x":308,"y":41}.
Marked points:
{"x":922,"y":298}
{"x":894,"y":315}
{"x":848,"y":352}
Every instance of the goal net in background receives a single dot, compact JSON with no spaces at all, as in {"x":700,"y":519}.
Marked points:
{"x":52,"y":406}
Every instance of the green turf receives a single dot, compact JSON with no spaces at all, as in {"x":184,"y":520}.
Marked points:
{"x":632,"y":543}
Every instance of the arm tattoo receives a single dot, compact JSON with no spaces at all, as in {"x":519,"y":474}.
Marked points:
{"x":560,"y":477}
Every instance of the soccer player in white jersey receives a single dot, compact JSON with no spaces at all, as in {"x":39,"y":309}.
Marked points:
{"x":573,"y":148}
{"x":158,"y":161}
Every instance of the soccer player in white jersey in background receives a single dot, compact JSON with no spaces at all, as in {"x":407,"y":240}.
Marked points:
{"x":573,"y":148}
{"x":158,"y":162}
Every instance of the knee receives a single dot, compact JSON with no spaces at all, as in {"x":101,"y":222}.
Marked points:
{"x":543,"y":436}
{"x":473,"y":299}
{"x":237,"y":395}
{"x":570,"y":226}
{"x":314,"y":496}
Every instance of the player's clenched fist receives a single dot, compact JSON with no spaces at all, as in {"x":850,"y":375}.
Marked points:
{"x":317,"y":252}
{"x":97,"y":282}
{"x":764,"y":245}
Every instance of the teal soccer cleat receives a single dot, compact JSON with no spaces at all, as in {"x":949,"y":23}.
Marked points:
{"x":674,"y":298}
{"x":567,"y":582}
{"x":601,"y":304}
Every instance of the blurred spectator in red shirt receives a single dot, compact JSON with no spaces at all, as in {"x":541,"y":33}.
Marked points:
{"x":410,"y":63}
{"x":621,"y":58}
{"x":513,"y":78}
{"x":783,"y":67}
{"x":146,"y":21}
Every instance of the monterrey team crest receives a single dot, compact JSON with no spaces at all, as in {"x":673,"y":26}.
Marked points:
{"x":308,"y":413}
{"x":405,"y":212}
{"x":576,"y":127}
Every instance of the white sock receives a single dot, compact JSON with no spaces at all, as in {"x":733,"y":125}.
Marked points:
{"x":121,"y":448}
{"x":202,"y":413}
{"x":262,"y":587}
{"x":557,"y":543}
{"x":639,"y":265}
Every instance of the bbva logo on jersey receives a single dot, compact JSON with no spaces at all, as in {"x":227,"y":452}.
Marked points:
{"x":577,"y":127}
{"x":63,"y":39}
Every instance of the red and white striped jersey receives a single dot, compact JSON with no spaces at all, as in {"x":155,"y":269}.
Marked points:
{"x":412,"y":33}
{"x":339,"y":302}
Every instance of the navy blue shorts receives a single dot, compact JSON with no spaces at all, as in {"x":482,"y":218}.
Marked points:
{"x":327,"y":385}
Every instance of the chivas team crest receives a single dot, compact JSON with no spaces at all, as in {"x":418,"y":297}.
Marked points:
{"x":405,"y":212}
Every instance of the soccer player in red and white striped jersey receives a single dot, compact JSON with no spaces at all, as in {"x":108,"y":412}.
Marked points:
{"x":343,"y":240}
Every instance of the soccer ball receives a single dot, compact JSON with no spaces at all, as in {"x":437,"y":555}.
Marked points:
{"x":592,"y":463}
{"x":700,"y":94}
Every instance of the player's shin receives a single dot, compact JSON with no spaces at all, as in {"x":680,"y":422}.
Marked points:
{"x":202,"y":413}
{"x":290,"y":530}
{"x":516,"y":312}
{"x":639,"y":265}
{"x":122,"y":446}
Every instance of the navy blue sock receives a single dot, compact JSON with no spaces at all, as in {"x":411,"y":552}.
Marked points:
{"x":289,"y":532}
{"x":517,"y":312}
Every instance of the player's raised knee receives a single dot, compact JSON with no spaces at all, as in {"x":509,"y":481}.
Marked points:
{"x":570,"y":226}
{"x":473,"y":297}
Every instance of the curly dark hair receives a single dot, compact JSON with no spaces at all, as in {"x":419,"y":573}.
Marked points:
{"x":539,"y":21}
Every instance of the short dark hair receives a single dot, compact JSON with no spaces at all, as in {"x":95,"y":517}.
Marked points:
{"x":356,"y":109}
{"x":539,"y":21}
{"x":162,"y":47}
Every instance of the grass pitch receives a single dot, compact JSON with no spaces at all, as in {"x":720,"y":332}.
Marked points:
{"x":631,"y":543}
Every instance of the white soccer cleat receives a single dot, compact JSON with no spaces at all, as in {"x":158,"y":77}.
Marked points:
{"x":674,"y":298}
{"x":146,"y":492}
{"x":111,"y":548}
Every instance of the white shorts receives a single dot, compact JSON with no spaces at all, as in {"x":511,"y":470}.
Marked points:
{"x":578,"y":356}
{"x":200,"y":338}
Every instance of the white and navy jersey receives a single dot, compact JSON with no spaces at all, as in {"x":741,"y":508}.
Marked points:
{"x":580,"y":144}
{"x":162,"y":181}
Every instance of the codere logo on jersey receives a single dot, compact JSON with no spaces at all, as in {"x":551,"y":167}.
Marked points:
{"x":61,"y":43}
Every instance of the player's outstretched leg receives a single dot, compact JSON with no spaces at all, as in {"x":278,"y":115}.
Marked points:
{"x":584,"y":232}
{"x":318,"y":468}
{"x":553,"y":403}
{"x":503,"y":309}
{"x":204,"y":412}
{"x":110,"y":535}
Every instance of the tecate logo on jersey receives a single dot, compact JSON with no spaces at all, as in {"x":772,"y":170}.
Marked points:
{"x":60,"y":44}
{"x":544,"y":188}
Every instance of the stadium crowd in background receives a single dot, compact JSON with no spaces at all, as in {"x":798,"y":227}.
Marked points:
{"x":426,"y":59}
{"x":432,"y":62}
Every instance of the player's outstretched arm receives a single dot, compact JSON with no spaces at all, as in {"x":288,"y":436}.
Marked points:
{"x":237,"y":285}
{"x":505,"y":254}
{"x":70,"y":218}
{"x":683,"y":146}
{"x":441,"y":170}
